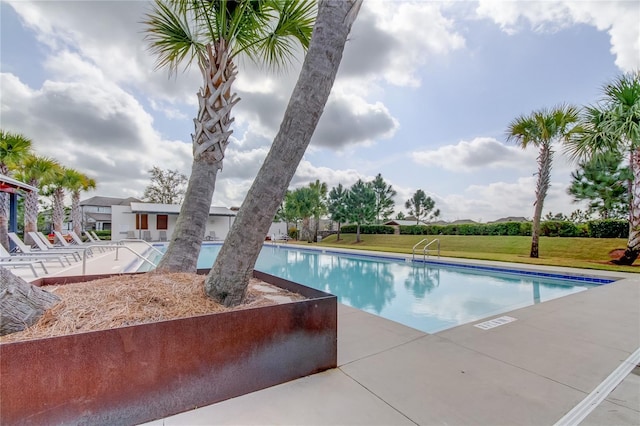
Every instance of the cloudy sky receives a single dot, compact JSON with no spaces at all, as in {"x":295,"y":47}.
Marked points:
{"x":425,"y":92}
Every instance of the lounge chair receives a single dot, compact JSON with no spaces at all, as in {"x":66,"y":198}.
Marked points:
{"x":131,"y":234}
{"x":39,"y":237}
{"x":163,"y":235}
{"x":27,"y":253}
{"x":77,"y":241}
{"x":44,"y":246}
{"x":95,"y":236}
{"x":16,"y":263}
{"x":5,"y":256}
{"x":146,"y":235}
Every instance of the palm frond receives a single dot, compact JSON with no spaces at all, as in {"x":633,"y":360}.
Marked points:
{"x":170,"y":37}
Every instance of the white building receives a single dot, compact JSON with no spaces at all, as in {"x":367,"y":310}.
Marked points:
{"x":156,"y":222}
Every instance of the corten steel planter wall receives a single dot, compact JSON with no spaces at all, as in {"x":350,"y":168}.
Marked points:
{"x":144,"y":372}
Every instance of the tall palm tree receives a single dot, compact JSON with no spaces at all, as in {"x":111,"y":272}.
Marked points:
{"x":38,"y":172}
{"x":76,"y":183}
{"x":228,"y":280}
{"x":541,"y":129}
{"x":14,"y":148}
{"x":614,"y":125}
{"x":73,"y":181}
{"x":213,"y":34}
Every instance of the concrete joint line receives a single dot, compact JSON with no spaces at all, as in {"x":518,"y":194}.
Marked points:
{"x":587,"y":405}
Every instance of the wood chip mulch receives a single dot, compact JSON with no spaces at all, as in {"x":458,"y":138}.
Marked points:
{"x":137,"y":299}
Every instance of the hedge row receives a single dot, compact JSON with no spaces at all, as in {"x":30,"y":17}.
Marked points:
{"x":367,"y":229}
{"x":553,"y":228}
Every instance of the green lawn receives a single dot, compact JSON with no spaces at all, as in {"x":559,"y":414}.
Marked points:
{"x":592,"y":253}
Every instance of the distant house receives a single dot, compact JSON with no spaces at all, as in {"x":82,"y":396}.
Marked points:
{"x":463,"y":222}
{"x":403,"y":222}
{"x":96,"y":211}
{"x":511,"y":219}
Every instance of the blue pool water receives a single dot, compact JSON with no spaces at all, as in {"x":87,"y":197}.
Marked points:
{"x":431,"y":296}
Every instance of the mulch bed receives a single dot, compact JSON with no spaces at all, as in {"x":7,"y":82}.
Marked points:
{"x":137,"y":299}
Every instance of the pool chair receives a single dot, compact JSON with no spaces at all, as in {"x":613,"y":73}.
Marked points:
{"x":146,"y":235}
{"x":77,"y":241}
{"x":44,"y":246}
{"x":5,"y":256}
{"x":27,"y":253}
{"x":17,"y":263}
{"x":163,"y":235}
{"x":94,"y":235}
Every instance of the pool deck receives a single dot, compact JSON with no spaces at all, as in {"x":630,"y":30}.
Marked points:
{"x":571,"y":354}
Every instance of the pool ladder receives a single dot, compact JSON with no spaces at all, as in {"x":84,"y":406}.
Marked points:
{"x":425,"y":249}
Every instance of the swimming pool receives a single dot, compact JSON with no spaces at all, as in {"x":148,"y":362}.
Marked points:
{"x":429,"y":296}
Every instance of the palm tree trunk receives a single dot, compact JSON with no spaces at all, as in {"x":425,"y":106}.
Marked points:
{"x":542,"y":186}
{"x":76,"y":216}
{"x":358,"y":233}
{"x":633,"y":244}
{"x":182,"y":253}
{"x":21,"y":304}
{"x":30,"y":214}
{"x":4,"y":220}
{"x":228,"y":280}
{"x":210,"y":141}
{"x":58,"y":209}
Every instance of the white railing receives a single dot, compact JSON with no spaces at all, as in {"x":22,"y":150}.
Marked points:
{"x":425,"y":249}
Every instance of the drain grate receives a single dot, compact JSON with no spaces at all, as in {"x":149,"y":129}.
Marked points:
{"x":496,"y":322}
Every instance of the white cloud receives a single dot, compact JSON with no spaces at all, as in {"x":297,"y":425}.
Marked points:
{"x":475,"y":155}
{"x":619,"y":18}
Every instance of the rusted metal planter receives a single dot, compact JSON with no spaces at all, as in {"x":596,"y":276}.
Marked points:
{"x":144,"y":372}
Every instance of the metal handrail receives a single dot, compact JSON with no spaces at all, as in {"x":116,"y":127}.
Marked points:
{"x":138,"y":240}
{"x":413,"y":251}
{"x":425,"y":249}
{"x":117,"y":247}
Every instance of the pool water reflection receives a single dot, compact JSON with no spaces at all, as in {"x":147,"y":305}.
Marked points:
{"x":427,"y":297}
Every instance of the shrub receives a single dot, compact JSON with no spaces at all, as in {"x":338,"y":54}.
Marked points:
{"x":558,"y":228}
{"x":367,"y":229}
{"x":104,"y":234}
{"x":611,"y":228}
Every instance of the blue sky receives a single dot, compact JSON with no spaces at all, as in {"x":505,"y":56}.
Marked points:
{"x":424,"y":95}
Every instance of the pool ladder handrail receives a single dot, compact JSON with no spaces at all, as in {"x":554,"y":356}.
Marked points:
{"x":425,"y":249}
{"x":117,"y":246}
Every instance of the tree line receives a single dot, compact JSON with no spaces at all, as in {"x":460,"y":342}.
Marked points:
{"x":362,"y":203}
{"x":49,"y":176}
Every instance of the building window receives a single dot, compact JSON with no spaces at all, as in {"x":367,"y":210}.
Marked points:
{"x":142,"y":221}
{"x":162,"y":221}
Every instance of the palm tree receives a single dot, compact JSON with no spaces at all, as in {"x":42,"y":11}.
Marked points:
{"x":541,"y":129}
{"x":38,"y":172}
{"x":73,"y":181}
{"x":14,"y":148}
{"x":76,"y":183}
{"x":228,"y":280}
{"x":614,"y":125}
{"x":213,"y":34}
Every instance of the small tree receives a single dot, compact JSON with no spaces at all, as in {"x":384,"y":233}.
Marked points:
{"x":384,"y":198}
{"x":166,"y":187}
{"x":361,"y":202}
{"x":319,"y":199}
{"x":421,"y":206}
{"x":604,"y":183}
{"x":338,"y":206}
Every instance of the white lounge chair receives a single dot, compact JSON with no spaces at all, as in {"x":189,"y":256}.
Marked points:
{"x":16,"y":263}
{"x":95,"y":236}
{"x":146,"y":235}
{"x":44,"y":246}
{"x":27,"y":253}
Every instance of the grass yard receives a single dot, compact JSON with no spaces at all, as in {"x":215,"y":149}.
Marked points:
{"x":592,"y":253}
